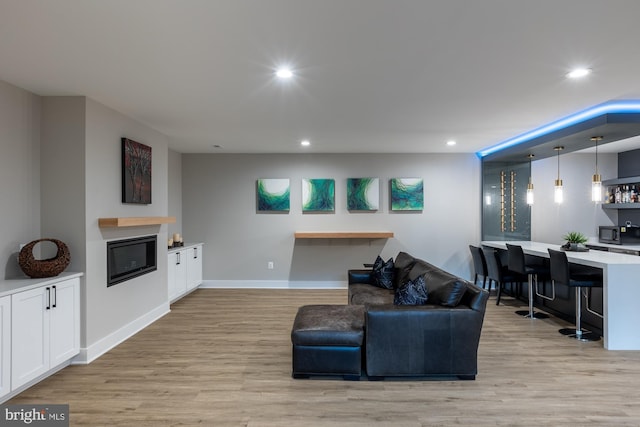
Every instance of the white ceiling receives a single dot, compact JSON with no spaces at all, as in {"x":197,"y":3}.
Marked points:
{"x":375,"y":76}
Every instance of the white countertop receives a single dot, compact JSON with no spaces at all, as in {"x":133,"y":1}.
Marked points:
{"x":621,"y":290}
{"x":12,"y":286}
{"x":185,"y":246}
{"x":609,"y":245}
{"x":592,"y":258}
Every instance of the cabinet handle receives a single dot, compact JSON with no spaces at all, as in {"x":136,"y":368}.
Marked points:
{"x":48,"y":298}
{"x":55,"y":296}
{"x":177,"y":258}
{"x":195,"y":253}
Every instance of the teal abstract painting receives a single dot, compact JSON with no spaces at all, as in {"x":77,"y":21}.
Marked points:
{"x":273,"y":194}
{"x":407,"y":194}
{"x":318,"y":195}
{"x":363,"y":194}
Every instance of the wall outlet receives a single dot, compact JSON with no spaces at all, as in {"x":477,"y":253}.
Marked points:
{"x":270,"y":265}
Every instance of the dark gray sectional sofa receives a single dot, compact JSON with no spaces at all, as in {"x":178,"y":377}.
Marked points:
{"x":439,"y":338}
{"x":376,"y":335}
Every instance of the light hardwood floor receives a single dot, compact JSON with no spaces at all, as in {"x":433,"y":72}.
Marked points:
{"x":223,"y":358}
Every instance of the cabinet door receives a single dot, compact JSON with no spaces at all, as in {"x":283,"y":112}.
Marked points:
{"x":177,"y":271}
{"x":181,"y":272}
{"x":64,"y":319}
{"x":171,"y":276}
{"x":29,"y":335}
{"x":194,"y":267}
{"x":5,"y":345}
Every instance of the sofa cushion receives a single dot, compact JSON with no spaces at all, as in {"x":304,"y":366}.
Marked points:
{"x":360,"y":276}
{"x":383,"y":273}
{"x":329,"y":325}
{"x":448,"y":293}
{"x":411,"y":292}
{"x":403,"y":264}
{"x":420,"y":268}
{"x":362,"y":293}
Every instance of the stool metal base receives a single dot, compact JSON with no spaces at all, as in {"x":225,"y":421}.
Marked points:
{"x":584,"y":336}
{"x":532,"y":315}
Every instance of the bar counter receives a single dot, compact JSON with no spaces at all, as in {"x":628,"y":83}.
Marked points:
{"x":621,"y":289}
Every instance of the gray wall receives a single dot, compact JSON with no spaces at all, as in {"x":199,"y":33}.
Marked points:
{"x":550,"y":221}
{"x":63,"y":174}
{"x":219,"y":209}
{"x":19,"y":174}
{"x":81,"y":182}
{"x":110,"y":309}
{"x":174,"y":197}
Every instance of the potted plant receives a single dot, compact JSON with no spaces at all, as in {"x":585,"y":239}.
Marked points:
{"x":575,"y":240}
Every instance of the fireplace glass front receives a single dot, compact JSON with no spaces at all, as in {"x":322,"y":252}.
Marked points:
{"x":130,"y":258}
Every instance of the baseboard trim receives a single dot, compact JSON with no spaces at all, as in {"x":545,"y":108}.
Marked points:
{"x":272,"y":284}
{"x":95,"y":350}
{"x":34,"y":381}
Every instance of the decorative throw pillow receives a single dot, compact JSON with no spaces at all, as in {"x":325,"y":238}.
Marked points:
{"x":383,"y":273}
{"x":403,"y":264}
{"x":448,"y":294}
{"x":411,"y":292}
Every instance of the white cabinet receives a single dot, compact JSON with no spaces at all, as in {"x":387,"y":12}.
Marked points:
{"x":194,"y":267}
{"x":65,"y":322}
{"x":5,"y":345}
{"x":177,"y":270}
{"x":184,"y":270}
{"x":45,"y":329}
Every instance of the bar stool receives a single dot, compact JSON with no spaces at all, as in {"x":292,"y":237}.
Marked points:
{"x":561,"y":273}
{"x":499,"y":273}
{"x":516,"y":263}
{"x":479,"y":265}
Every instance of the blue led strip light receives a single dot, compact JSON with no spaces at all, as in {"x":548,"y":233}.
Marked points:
{"x":606,"y":108}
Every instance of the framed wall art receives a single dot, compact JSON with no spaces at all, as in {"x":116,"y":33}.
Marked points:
{"x":407,"y":194}
{"x":273,"y":195}
{"x":136,"y":172}
{"x":363,"y":194}
{"x":318,"y":195}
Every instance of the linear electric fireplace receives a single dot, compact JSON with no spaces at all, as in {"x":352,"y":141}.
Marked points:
{"x":130,"y":258}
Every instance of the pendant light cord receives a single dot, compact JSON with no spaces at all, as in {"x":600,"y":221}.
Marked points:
{"x":597,"y":139}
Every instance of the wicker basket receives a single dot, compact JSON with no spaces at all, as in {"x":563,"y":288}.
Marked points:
{"x":38,"y":268}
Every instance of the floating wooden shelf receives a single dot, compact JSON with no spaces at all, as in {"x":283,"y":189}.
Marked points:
{"x":135,"y":221}
{"x":343,"y":235}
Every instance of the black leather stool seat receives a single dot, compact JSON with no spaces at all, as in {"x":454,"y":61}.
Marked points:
{"x":327,"y":340}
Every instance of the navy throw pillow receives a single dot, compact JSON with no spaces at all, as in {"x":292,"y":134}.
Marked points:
{"x":383,"y":273}
{"x":411,"y":292}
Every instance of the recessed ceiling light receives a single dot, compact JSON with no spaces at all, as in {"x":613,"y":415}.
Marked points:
{"x":305,"y":143}
{"x":451,"y":143}
{"x":284,"y":73}
{"x":578,"y":72}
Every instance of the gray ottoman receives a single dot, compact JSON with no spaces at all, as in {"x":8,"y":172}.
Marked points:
{"x":327,"y":340}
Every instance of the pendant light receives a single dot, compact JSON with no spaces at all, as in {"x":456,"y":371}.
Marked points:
{"x":557,"y":194}
{"x":530,"y":184}
{"x":596,"y":182}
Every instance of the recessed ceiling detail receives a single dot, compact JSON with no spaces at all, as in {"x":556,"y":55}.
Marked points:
{"x":615,"y":120}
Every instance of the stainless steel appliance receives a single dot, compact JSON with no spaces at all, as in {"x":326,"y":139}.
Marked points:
{"x":619,"y":234}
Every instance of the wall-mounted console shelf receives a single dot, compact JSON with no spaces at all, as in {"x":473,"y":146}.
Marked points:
{"x":622,"y":185}
{"x":135,"y":221}
{"x":343,"y":235}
